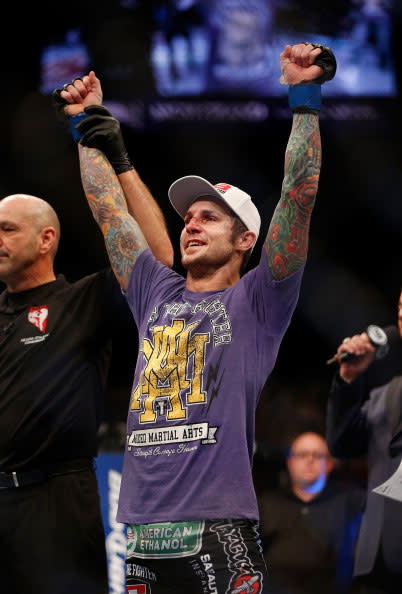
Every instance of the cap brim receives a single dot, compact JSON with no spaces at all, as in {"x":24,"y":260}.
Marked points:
{"x":185,"y":190}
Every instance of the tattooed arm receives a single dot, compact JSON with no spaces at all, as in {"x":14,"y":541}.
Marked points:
{"x":87,"y":93}
{"x":287,"y":239}
{"x":123,"y":237}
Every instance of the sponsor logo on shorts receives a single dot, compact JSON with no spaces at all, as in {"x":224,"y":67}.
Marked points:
{"x":246,"y":579}
{"x":209,"y":572}
{"x":165,"y":540}
{"x":246,"y":584}
{"x":140,"y":572}
{"x":138,"y":589}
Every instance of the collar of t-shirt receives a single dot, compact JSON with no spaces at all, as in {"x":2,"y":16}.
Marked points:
{"x":14,"y":302}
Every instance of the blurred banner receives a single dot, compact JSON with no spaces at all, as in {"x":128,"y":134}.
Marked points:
{"x":108,"y":469}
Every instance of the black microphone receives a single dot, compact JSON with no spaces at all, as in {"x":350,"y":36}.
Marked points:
{"x":380,"y":338}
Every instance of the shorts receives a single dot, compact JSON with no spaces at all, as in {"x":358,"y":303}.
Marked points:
{"x":52,"y":538}
{"x":200,"y":557}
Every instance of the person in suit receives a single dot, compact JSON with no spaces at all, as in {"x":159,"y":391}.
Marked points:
{"x":364,"y":418}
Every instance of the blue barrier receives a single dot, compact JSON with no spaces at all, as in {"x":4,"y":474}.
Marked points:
{"x":108,"y":470}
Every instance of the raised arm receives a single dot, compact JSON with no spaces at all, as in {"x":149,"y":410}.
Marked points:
{"x":123,"y":237}
{"x":286,"y":243}
{"x":102,"y":131}
{"x":145,"y":210}
{"x":287,"y":239}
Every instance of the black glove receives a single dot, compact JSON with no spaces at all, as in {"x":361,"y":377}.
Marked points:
{"x":99,"y":129}
{"x":327,"y":61}
{"x":59,"y":103}
{"x":306,"y":97}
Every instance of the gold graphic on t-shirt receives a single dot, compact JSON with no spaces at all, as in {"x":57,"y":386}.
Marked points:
{"x":165,"y":375}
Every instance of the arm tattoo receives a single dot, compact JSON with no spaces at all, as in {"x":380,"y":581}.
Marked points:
{"x":286,"y":243}
{"x":123,"y":238}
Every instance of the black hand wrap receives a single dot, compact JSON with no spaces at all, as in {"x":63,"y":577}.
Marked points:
{"x":306,"y":97}
{"x":102,"y":131}
{"x":326,"y":60}
{"x":59,"y":103}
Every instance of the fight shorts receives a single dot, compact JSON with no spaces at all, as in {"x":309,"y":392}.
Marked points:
{"x":199,"y":557}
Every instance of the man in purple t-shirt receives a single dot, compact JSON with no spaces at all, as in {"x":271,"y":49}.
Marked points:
{"x":208,"y":343}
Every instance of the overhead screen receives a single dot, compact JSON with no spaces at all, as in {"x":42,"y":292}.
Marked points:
{"x":178,"y":56}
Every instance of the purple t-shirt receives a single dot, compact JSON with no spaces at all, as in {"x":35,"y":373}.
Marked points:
{"x":203,"y":361}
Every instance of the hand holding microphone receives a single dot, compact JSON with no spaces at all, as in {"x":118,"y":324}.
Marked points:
{"x":357,"y":352}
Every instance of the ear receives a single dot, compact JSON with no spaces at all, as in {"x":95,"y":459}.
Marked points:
{"x":47,"y":239}
{"x":246,"y":240}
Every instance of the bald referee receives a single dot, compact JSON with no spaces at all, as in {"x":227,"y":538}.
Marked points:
{"x":55,"y":347}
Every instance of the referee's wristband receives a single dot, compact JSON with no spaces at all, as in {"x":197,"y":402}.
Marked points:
{"x":73,"y":121}
{"x":305,"y":98}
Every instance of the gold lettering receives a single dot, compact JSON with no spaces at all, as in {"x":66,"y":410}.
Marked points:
{"x":165,"y":375}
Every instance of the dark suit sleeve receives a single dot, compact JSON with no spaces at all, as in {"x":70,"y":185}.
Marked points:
{"x":347,"y":431}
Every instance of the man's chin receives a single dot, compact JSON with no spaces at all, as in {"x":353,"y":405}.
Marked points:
{"x":195,"y":264}
{"x":4,"y":274}
{"x":184,"y":262}
{"x":187,"y":261}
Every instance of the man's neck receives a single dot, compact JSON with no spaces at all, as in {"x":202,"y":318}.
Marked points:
{"x":215,"y":281}
{"x":30,"y":281}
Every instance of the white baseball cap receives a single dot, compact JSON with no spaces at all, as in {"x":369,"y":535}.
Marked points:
{"x":185,"y":190}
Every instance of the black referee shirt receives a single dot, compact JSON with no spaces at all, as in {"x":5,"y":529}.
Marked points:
{"x":55,"y":349}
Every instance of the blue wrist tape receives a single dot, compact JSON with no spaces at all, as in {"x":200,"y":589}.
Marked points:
{"x":73,"y":121}
{"x":306,"y":97}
